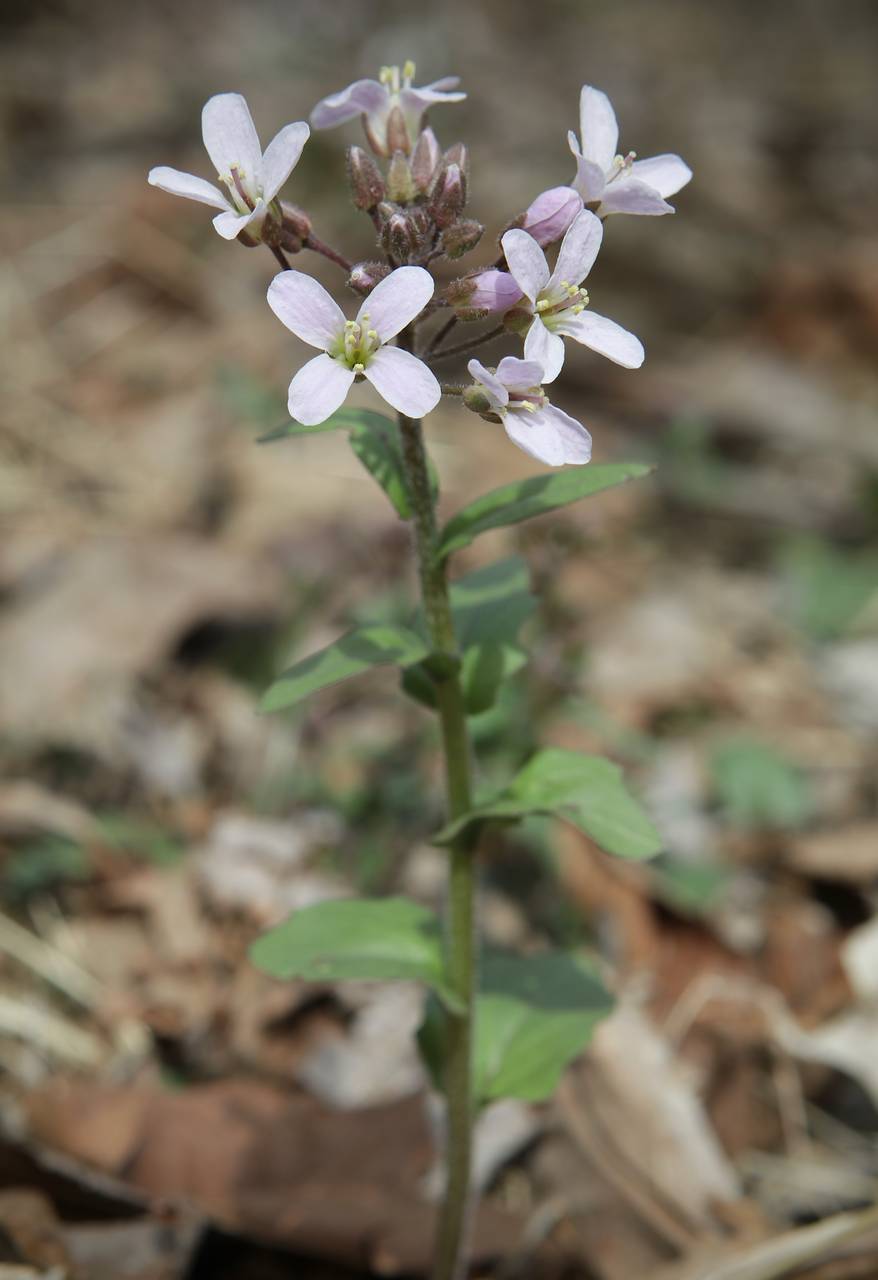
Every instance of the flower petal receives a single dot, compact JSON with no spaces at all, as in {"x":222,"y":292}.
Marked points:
{"x":605,"y":337}
{"x":519,"y":375}
{"x":630,"y":195}
{"x":665,"y":174}
{"x":404,"y":381}
{"x":598,"y":129}
{"x":318,"y":389}
{"x":304,"y":306}
{"x":281,"y":157}
{"x":579,"y":248}
{"x":590,"y":178}
{"x":360,"y":98}
{"x":231,"y":223}
{"x":527,"y":262}
{"x":420,"y":100}
{"x":231,"y":139}
{"x":186,"y":184}
{"x":549,"y":435}
{"x":396,"y":300}
{"x":491,"y":382}
{"x":545,"y":348}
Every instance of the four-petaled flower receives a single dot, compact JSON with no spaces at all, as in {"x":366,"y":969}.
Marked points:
{"x":392,"y":109}
{"x":251,"y":179}
{"x":355,"y":348}
{"x":513,"y":394}
{"x":611,"y":183}
{"x":558,"y":303}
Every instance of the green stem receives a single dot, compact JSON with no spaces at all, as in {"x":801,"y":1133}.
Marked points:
{"x":460,"y":933}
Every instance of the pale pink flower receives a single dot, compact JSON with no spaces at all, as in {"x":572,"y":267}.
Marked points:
{"x":558,"y":303}
{"x":513,"y":394}
{"x":612,"y":183}
{"x":252,"y":180}
{"x":488,"y":291}
{"x":354,"y":349}
{"x":392,"y":95}
{"x":550,"y":215}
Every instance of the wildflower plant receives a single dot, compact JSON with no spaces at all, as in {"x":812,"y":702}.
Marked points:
{"x":495,"y":1025}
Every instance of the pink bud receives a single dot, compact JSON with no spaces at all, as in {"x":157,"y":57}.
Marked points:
{"x":490,"y":290}
{"x":550,"y":215}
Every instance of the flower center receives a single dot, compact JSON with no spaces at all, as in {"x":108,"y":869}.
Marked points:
{"x":393,"y":82}
{"x":527,"y":401}
{"x":243,"y":197}
{"x":620,"y":166}
{"x":564,"y":300}
{"x":357,"y":345}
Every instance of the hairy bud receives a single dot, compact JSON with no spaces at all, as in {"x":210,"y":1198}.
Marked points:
{"x":364,"y":176}
{"x":449,"y":196}
{"x":460,"y":237}
{"x":397,"y":133}
{"x":486,"y":292}
{"x":293,"y":228}
{"x":425,"y":160}
{"x":459,"y":155}
{"x":475,"y":398}
{"x":399,"y":237}
{"x":365,"y":275}
{"x":400,"y":183}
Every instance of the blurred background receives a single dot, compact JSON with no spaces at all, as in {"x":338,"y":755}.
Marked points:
{"x":169,"y":1112}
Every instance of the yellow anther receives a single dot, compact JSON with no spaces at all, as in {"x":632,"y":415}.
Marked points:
{"x":350,"y":324}
{"x":364,"y":317}
{"x":527,"y":404}
{"x":372,"y":333}
{"x":359,"y":368}
{"x":577,"y":309}
{"x":408,"y":70}
{"x":543,"y":304}
{"x":565,"y":284}
{"x":572,"y":291}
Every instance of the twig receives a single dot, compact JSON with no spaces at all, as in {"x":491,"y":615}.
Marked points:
{"x":464,"y":347}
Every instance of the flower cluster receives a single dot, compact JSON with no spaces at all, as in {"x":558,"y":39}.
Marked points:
{"x":416,"y":196}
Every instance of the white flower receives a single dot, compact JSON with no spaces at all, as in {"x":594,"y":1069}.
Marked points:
{"x":549,"y":216}
{"x":611,"y":183}
{"x":378,"y":100}
{"x":557,"y":302}
{"x":513,"y":395}
{"x":251,"y":179}
{"x":355,"y":348}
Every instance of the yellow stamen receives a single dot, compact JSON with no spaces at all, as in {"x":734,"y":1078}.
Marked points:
{"x":359,"y":368}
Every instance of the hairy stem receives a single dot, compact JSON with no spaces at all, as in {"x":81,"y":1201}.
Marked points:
{"x":281,"y":257}
{"x":439,"y":337}
{"x":460,"y":931}
{"x":313,"y":243}
{"x":463,"y":348}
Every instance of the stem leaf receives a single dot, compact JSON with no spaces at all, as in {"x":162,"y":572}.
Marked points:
{"x":533,"y":1015}
{"x":587,"y":791}
{"x":357,"y":938}
{"x":532,"y":497}
{"x":352,"y":654}
{"x":375,"y":440}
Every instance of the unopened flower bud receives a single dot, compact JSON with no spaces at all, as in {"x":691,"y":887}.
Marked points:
{"x":425,"y":160}
{"x":550,"y":215}
{"x":397,"y":133}
{"x":365,"y":275}
{"x":364,"y":176}
{"x":488,"y":292}
{"x":399,"y":237}
{"x":449,"y":196}
{"x":460,"y":237}
{"x":518,"y":320}
{"x":476,"y":399}
{"x":459,"y":155}
{"x":400,"y":183}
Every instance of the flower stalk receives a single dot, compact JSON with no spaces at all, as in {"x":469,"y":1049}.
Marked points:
{"x":460,"y":927}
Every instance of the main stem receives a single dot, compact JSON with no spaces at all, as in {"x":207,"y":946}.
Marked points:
{"x":460,"y":933}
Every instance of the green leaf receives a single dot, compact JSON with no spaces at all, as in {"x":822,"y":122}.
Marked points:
{"x":378,"y":447}
{"x":489,"y":607}
{"x":354,"y":653}
{"x":532,"y":497}
{"x":758,"y":787}
{"x":534,"y":1014}
{"x":343,"y":419}
{"x":587,"y":791}
{"x":362,"y":938}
